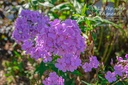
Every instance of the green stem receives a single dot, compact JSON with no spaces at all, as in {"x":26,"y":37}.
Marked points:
{"x":101,"y":36}
{"x":111,"y":46}
{"x":105,"y":52}
{"x":109,"y":51}
{"x":116,"y":82}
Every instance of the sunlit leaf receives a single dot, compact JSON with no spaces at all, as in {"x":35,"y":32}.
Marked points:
{"x":46,"y":4}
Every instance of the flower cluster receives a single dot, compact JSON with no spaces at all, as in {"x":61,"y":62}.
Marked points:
{"x":93,"y":63}
{"x":68,"y":63}
{"x":28,"y":25}
{"x":120,"y":69}
{"x":68,"y":43}
{"x":53,"y":79}
{"x":42,"y":38}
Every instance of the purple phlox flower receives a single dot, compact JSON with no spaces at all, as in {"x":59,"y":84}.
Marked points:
{"x":27,"y":46}
{"x":111,"y":62}
{"x":61,"y":64}
{"x":36,"y":53}
{"x":118,"y":69}
{"x":55,"y":22}
{"x":110,"y":76}
{"x":53,"y":79}
{"x":120,"y":59}
{"x":126,"y":56}
{"x":68,"y":63}
{"x":126,"y":69}
{"x":47,"y":58}
{"x":87,"y":67}
{"x":94,"y":62}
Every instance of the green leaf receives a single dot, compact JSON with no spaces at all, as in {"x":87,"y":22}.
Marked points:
{"x":84,"y":10}
{"x":55,"y":58}
{"x":17,"y":54}
{"x":76,"y":15}
{"x":46,"y":4}
{"x":94,"y":36}
{"x":21,"y":66}
{"x":16,"y":68}
{"x":76,"y":72}
{"x":85,"y":82}
{"x":52,"y":67}
{"x":120,"y":83}
{"x":62,"y":17}
{"x":102,"y":80}
{"x":8,"y":74}
{"x":111,"y":1}
{"x":34,"y":2}
{"x":94,"y":21}
{"x":104,"y":1}
{"x":41,"y":69}
{"x":69,"y":82}
{"x":100,"y":77}
{"x":61,"y":6}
